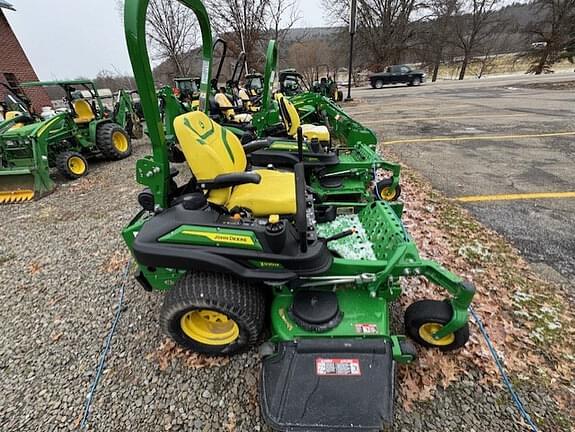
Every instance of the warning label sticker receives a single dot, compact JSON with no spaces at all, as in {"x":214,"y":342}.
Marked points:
{"x":337,"y":367}
{"x":368,"y":329}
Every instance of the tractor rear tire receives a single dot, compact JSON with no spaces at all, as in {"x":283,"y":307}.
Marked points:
{"x":71,"y":165}
{"x":425,"y":317}
{"x":113,"y":141}
{"x":214,"y":313}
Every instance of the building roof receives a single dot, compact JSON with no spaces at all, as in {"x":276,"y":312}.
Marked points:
{"x":4,"y":4}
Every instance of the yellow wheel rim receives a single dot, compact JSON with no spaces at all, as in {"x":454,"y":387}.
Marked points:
{"x":426,"y":332}
{"x":387,"y":194}
{"x":209,"y":327}
{"x":120,"y":141}
{"x":76,"y":165}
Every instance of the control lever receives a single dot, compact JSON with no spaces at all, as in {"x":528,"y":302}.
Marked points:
{"x":300,"y":144}
{"x":341,"y":235}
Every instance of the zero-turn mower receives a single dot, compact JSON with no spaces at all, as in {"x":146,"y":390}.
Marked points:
{"x":238,"y":248}
{"x":30,"y":147}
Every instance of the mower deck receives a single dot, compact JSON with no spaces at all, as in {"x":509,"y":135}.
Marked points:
{"x":324,"y":384}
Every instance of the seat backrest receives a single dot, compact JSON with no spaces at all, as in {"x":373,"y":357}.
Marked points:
{"x":225,"y":105}
{"x":83,"y":111}
{"x":210,"y":150}
{"x":244,"y":95}
{"x":12,"y":114}
{"x":289,"y":114}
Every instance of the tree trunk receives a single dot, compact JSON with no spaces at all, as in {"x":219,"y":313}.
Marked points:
{"x":464,"y":66}
{"x":436,"y":65}
{"x":542,"y":61}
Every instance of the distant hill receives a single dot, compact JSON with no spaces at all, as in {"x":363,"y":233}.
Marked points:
{"x":517,"y":16}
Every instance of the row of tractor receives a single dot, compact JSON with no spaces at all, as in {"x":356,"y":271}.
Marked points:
{"x":31,"y":145}
{"x":288,"y":227}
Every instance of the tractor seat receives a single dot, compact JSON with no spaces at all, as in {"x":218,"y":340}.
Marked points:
{"x":12,"y":115}
{"x":84,"y":113}
{"x":291,"y":120}
{"x":227,"y":109}
{"x":211,"y":151}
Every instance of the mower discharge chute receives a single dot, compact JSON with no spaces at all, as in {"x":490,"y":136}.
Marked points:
{"x":237,"y":244}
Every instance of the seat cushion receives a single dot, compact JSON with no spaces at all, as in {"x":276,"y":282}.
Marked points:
{"x":321,"y":133}
{"x":243,"y":118}
{"x":275,"y":194}
{"x":84,"y":113}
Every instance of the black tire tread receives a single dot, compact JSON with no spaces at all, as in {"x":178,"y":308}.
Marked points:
{"x":425,"y":311}
{"x":243,"y":301}
{"x":104,"y":141}
{"x":61,"y":162}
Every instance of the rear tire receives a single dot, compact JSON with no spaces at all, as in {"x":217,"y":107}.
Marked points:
{"x":378,"y":84}
{"x":415,"y":81}
{"x":71,"y":165}
{"x":214,"y":313}
{"x":113,"y":141}
{"x":425,"y":317}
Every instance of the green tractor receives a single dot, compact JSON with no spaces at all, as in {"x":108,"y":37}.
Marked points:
{"x":238,"y":250}
{"x":291,"y":82}
{"x":341,"y":161}
{"x":30,"y":147}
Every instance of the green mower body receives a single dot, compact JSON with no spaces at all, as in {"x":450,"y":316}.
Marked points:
{"x":322,"y":273}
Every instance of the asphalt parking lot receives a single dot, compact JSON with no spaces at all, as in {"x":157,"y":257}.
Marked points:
{"x":503,"y":146}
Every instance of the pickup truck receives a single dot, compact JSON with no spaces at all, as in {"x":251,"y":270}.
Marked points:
{"x":397,"y":74}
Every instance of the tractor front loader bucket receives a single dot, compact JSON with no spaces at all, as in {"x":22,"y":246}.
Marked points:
{"x":23,"y":184}
{"x":24,"y":171}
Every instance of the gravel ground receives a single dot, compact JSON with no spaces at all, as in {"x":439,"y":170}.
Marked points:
{"x":60,"y":263}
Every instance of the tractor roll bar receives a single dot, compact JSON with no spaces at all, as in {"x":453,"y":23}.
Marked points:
{"x":135,"y":30}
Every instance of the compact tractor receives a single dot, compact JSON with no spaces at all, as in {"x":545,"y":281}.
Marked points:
{"x":29,"y":147}
{"x":240,"y":249}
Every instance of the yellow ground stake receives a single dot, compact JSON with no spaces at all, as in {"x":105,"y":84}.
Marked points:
{"x":477,"y":138}
{"x":512,"y":197}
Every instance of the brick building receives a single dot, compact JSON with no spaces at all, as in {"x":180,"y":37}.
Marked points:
{"x":14,"y":65}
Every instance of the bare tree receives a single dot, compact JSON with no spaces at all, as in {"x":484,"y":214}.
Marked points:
{"x":282,"y":15}
{"x":384,"y":27}
{"x":113,"y":80}
{"x":437,"y":38}
{"x":244,"y":21}
{"x":173,"y":33}
{"x":473,"y":27}
{"x":306,"y":56}
{"x":551,"y":33}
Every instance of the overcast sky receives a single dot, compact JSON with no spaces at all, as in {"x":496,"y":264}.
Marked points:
{"x":72,"y":38}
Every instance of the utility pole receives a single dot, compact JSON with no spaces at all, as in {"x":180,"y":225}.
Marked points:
{"x":352,"y":28}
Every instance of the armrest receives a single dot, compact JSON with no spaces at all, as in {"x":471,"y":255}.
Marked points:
{"x":256,"y":145}
{"x":230,"y":180}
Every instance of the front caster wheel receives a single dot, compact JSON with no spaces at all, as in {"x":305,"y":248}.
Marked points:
{"x":426,"y":317}
{"x":213,"y":313}
{"x":385,"y":192}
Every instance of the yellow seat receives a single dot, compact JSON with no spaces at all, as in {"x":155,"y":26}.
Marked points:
{"x":246,"y":101}
{"x":84,"y":113}
{"x":228,"y":110}
{"x":291,"y":120}
{"x":211,"y":150}
{"x":12,"y":114}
